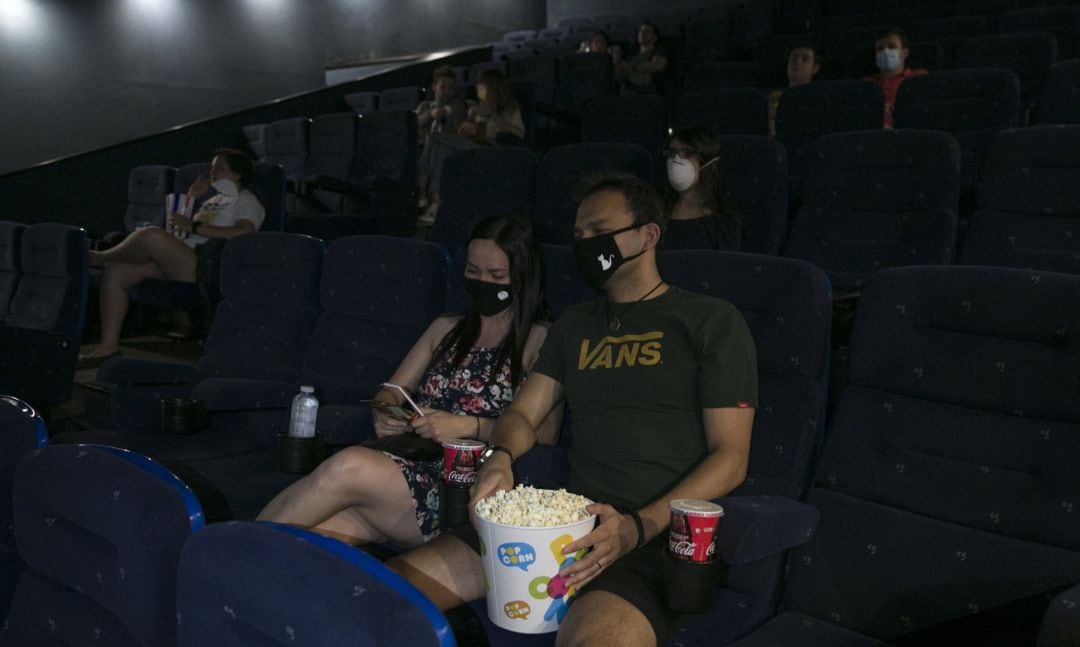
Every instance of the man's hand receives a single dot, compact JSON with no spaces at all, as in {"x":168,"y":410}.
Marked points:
{"x":199,"y":187}
{"x":615,"y":536}
{"x":493,"y":476}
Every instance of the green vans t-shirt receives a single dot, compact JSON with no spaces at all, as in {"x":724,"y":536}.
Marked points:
{"x":636,"y":394}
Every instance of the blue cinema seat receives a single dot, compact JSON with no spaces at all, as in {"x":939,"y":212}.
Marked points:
{"x":971,"y":105}
{"x":403,"y":98}
{"x":259,"y":334}
{"x":10,"y":267}
{"x":287,"y":145}
{"x":726,"y":111}
{"x":820,"y":108}
{"x":640,"y":119}
{"x":377,"y":296}
{"x":563,"y":168}
{"x":942,"y":483}
{"x":480,"y":182}
{"x":100,"y":530}
{"x":1027,"y":211}
{"x":243,"y":584}
{"x":21,"y":431}
{"x":43,"y":320}
{"x":363,"y":102}
{"x":1028,"y":54}
{"x":754,"y":168}
{"x":1059,"y":102}
{"x":877,"y":199}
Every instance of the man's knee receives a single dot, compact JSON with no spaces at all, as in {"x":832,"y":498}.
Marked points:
{"x":603,"y":618}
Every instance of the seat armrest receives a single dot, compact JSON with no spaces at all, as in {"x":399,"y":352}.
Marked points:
{"x":345,"y":424}
{"x":235,"y":394}
{"x":123,"y":370}
{"x":755,"y":527}
{"x":1061,"y":623}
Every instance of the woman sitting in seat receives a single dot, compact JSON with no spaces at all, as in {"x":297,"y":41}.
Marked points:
{"x":182,"y":251}
{"x":699,"y":215}
{"x":464,"y":370}
{"x":496,"y":112}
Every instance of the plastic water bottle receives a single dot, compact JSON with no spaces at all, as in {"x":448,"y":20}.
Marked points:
{"x":305,"y":408}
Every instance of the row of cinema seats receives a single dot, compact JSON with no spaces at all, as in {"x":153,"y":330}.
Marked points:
{"x":941,"y":494}
{"x":343,"y":163}
{"x":1027,"y":41}
{"x":870,"y":199}
{"x":43,"y":295}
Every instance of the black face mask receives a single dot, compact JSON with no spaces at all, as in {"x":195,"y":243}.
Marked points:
{"x":598,"y":257}
{"x":489,"y":298}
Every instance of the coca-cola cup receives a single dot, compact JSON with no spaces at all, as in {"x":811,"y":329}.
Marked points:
{"x":461,"y":461}
{"x":691,"y":573}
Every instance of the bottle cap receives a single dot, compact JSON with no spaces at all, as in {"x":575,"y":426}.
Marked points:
{"x":307,"y":389}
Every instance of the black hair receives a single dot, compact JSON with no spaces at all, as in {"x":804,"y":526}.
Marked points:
{"x":500,"y":91}
{"x":514,"y":235}
{"x":810,"y":44}
{"x":711,"y":181}
{"x":240,"y":164}
{"x":656,"y":30}
{"x":641,"y":198}
{"x":902,"y":34}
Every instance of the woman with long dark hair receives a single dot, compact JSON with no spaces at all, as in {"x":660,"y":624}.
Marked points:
{"x":699,"y":215}
{"x":463,"y":371}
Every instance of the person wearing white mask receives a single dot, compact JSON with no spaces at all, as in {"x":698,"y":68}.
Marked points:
{"x":182,"y":251}
{"x":892,"y":51}
{"x":699,"y":215}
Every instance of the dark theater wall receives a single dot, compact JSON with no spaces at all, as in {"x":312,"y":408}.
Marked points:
{"x":81,"y":74}
{"x":559,"y":9}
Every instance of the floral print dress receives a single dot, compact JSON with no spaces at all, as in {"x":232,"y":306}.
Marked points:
{"x":470,"y":389}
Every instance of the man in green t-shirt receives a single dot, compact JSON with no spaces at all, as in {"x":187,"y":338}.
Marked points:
{"x":663,"y":386}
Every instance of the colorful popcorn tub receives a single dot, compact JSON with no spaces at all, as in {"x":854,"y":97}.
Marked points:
{"x":522,"y":535}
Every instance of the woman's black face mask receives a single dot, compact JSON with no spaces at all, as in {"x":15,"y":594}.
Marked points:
{"x":489,"y":298}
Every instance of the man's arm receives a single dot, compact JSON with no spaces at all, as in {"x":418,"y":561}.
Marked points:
{"x":727,"y":432}
{"x":516,"y":430}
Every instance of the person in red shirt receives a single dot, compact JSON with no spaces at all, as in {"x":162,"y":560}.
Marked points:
{"x":892,"y":52}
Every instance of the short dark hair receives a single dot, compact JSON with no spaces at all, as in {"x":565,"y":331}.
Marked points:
{"x":656,"y":30}
{"x":443,"y":71}
{"x":240,"y":164}
{"x":901,"y":33}
{"x":641,"y":197}
{"x":810,"y":44}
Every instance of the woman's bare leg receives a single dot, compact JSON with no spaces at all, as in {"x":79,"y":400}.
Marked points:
{"x":358,"y":495}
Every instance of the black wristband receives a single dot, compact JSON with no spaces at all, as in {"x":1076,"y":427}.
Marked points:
{"x":633,"y":514}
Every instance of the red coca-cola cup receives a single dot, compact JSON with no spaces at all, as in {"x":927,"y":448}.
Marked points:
{"x":461,"y":462}
{"x":690,"y":571}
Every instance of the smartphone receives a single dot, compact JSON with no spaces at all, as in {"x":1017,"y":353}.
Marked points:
{"x":405,"y":394}
{"x":392,"y":410}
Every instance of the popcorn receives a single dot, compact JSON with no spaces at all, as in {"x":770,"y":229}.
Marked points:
{"x":529,"y":507}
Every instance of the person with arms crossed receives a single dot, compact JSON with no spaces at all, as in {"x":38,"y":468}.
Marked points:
{"x":663,"y":386}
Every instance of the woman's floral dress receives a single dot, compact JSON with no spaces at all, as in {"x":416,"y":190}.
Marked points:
{"x":469,"y":389}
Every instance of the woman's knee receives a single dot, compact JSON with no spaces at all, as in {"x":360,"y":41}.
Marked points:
{"x":353,"y":468}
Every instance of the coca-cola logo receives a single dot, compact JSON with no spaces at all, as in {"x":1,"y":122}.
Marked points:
{"x":464,"y":478}
{"x":682,"y":548}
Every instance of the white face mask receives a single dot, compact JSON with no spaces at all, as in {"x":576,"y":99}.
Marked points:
{"x":888,"y":59}
{"x":682,"y":174}
{"x":225,"y":187}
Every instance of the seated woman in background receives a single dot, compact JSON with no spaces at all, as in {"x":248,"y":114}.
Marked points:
{"x":178,"y":253}
{"x":464,"y":370}
{"x":599,"y":43}
{"x":496,"y":112}
{"x":643,"y":71}
{"x":698,"y":214}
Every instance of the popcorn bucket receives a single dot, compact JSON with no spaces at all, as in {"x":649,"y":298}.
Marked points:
{"x":521,"y":567}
